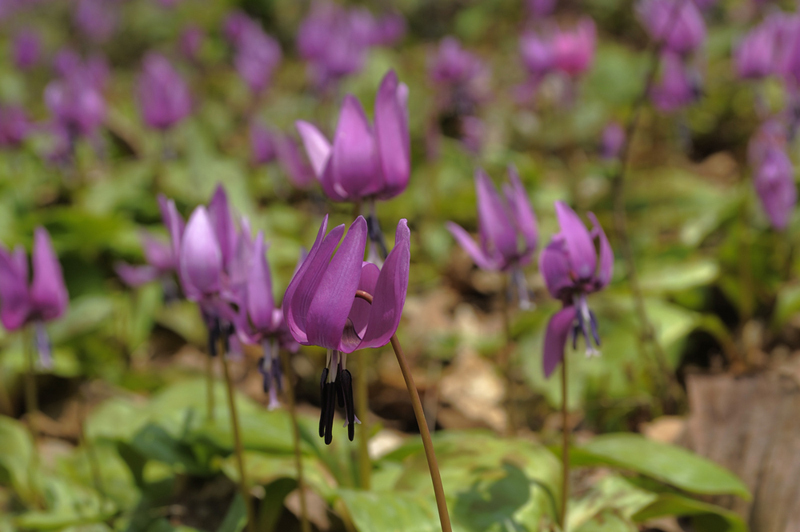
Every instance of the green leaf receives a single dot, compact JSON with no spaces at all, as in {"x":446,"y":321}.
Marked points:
{"x":265,"y":469}
{"x":714,"y":518}
{"x":667,"y":463}
{"x":236,"y":518}
{"x":391,"y":511}
{"x":609,"y":505}
{"x":271,"y":507}
{"x":16,"y":459}
{"x":680,"y":276}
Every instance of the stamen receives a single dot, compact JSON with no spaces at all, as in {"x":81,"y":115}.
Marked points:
{"x":523,"y":297}
{"x":43,"y":346}
{"x":323,"y":399}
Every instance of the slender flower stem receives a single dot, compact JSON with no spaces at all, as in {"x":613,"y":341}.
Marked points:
{"x":362,"y":405}
{"x":237,"y":443}
{"x":505,"y":360}
{"x":564,"y":446}
{"x":31,"y":393}
{"x":210,"y":388}
{"x":419,"y":413}
{"x":305,"y":526}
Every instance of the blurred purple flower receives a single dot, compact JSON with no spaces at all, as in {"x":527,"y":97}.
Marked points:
{"x":97,"y":19}
{"x":388,"y":29}
{"x":363,"y":161}
{"x":508,"y":233}
{"x":191,"y":41}
{"x":320,"y":307}
{"x":538,"y":54}
{"x":755,"y":55}
{"x":452,"y":65}
{"x":46,"y":297}
{"x":257,"y":56}
{"x":294,"y":166}
{"x":263,"y":144}
{"x":679,"y":86}
{"x":200,"y":260}
{"x":27,"y":49}
{"x":76,"y":99}
{"x":163,"y":95}
{"x":573,"y":50}
{"x":613,"y":141}
{"x":14,"y":126}
{"x":540,"y":8}
{"x":575,"y":264}
{"x":676,"y":24}
{"x":773,"y":173}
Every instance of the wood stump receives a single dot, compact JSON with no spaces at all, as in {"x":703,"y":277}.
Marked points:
{"x":751,"y":425}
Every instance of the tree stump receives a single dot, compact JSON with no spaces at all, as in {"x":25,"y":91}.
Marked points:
{"x":751,"y":425}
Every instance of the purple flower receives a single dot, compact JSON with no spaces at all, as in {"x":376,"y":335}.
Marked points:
{"x":573,"y":51}
{"x":46,"y":297}
{"x":76,"y":97}
{"x":453,"y":65}
{"x":191,"y":41}
{"x":363,"y":161}
{"x":200,"y":261}
{"x":97,"y":19}
{"x":538,"y":54}
{"x":27,"y":49}
{"x":14,"y":126}
{"x":613,"y":141}
{"x":678,"y":87}
{"x":774,"y":174}
{"x":321,"y":309}
{"x":575,"y":264}
{"x":506,"y":225}
{"x":676,"y":24}
{"x":263,"y":144}
{"x":162,"y":258}
{"x":540,"y":8}
{"x":163,"y":94}
{"x":755,"y":56}
{"x":388,"y":29}
{"x":257,"y":56}
{"x":294,"y":166}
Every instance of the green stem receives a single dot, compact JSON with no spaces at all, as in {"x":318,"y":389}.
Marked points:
{"x":32,"y":410}
{"x":305,"y":526}
{"x":564,"y":446}
{"x":362,"y":407}
{"x":505,"y":361}
{"x":419,"y":413}
{"x":210,"y":388}
{"x":237,"y":444}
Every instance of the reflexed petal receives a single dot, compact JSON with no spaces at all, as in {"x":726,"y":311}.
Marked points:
{"x":498,"y":236}
{"x":582,"y":255}
{"x":391,"y":132}
{"x":555,"y":339}
{"x":554,"y":267}
{"x":521,"y":210}
{"x":157,"y":253}
{"x":173,"y":222}
{"x":136,"y":275}
{"x":355,"y":163}
{"x":471,"y":247}
{"x":259,"y":288}
{"x":304,"y":284}
{"x":333,"y":297}
{"x":606,"y":269}
{"x":219,"y":213}
{"x":14,"y":298}
{"x":201,"y":256}
{"x":359,"y":313}
{"x":390,"y":291}
{"x":48,"y":293}
{"x":317,"y":146}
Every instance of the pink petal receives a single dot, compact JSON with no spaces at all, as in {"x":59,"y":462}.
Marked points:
{"x":136,"y":275}
{"x":317,"y":146}
{"x":391,"y":132}
{"x":354,"y":162}
{"x":521,"y":210}
{"x":220,"y":215}
{"x":555,"y":268}
{"x":259,"y":288}
{"x":48,"y":292}
{"x":471,"y":247}
{"x":15,"y":303}
{"x":555,"y":338}
{"x":201,"y":257}
{"x":606,"y":269}
{"x":498,"y":236}
{"x":582,"y":255}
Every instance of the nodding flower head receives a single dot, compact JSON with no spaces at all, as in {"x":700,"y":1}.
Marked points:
{"x":321,"y":308}
{"x":163,"y":94}
{"x":756,"y":55}
{"x":364,"y":161}
{"x":576,"y":263}
{"x":675,"y":24}
{"x":774,"y":174}
{"x":679,"y":86}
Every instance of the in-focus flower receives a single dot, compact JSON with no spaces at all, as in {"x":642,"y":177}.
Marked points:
{"x":262,"y":144}
{"x":321,"y":308}
{"x":573,"y":50}
{"x":676,"y":24}
{"x":575,"y":264}
{"x":755,"y":55}
{"x":363,"y":161}
{"x":297,"y":170}
{"x":613,"y":141}
{"x":774,"y":174}
{"x":679,"y":86}
{"x":46,"y":297}
{"x":163,"y":95}
{"x":97,"y":19}
{"x":507,"y":229}
{"x":26,"y":49}
{"x":14,"y":126}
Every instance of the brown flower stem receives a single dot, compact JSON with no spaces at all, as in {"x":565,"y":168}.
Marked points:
{"x":305,"y":526}
{"x":564,"y":446}
{"x":210,"y":388}
{"x":419,"y":413}
{"x":237,"y":443}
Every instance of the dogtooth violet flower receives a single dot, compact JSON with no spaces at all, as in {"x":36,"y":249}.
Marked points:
{"x":27,"y":49}
{"x":773,"y":173}
{"x":14,"y":126}
{"x":320,"y":307}
{"x":573,"y":50}
{"x":256,"y":53}
{"x":259,"y":321}
{"x":576,"y":263}
{"x":755,"y":56}
{"x":676,"y":24}
{"x":46,"y":297}
{"x":508,"y":234}
{"x":612,"y":141}
{"x":678,"y":87}
{"x":75,"y":98}
{"x":364,"y":161}
{"x":163,"y":95}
